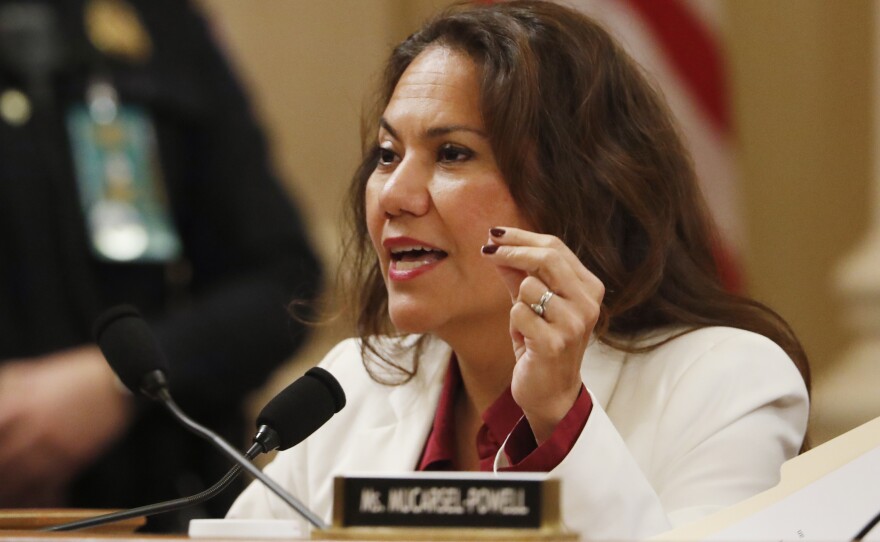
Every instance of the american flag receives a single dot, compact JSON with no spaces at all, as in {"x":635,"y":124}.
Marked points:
{"x":679,"y":44}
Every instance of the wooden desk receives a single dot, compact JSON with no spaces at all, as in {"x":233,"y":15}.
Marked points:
{"x":33,"y":519}
{"x":86,"y":536}
{"x":21,"y":525}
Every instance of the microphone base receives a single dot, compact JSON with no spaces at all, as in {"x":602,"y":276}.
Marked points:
{"x":247,"y":529}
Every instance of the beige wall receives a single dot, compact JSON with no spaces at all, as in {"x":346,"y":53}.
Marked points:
{"x":308,"y":66}
{"x":800,"y":72}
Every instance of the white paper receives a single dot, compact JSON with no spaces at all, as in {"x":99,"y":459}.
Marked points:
{"x":834,"y":507}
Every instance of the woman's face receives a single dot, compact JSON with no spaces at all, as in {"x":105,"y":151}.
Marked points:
{"x":432,"y":198}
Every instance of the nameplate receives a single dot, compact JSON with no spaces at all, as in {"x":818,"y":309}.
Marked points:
{"x":446,"y":506}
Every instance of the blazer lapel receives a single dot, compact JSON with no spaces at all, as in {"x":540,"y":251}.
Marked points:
{"x":395,"y":442}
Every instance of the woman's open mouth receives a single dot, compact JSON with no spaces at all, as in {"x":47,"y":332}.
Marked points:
{"x":408,"y":261}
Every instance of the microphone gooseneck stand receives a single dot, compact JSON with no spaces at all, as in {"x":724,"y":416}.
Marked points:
{"x":155,"y":386}
{"x":136,"y":357}
{"x":236,"y":456}
{"x":167,"y":506}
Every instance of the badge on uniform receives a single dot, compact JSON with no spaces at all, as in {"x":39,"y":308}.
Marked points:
{"x":114,"y":28}
{"x":117,"y":169}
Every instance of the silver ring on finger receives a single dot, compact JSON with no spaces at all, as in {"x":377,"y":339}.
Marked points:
{"x":540,"y":307}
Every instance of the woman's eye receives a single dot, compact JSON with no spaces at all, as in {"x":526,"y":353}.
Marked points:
{"x":453,"y":153}
{"x":385,"y":156}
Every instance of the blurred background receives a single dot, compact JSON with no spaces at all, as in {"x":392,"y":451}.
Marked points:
{"x":799,"y":80}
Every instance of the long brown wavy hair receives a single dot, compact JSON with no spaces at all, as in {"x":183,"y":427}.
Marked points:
{"x":591,"y":155}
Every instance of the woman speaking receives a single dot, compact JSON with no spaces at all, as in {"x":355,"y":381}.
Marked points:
{"x":534,"y":290}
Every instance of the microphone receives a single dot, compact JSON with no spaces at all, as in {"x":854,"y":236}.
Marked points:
{"x":134,"y":354}
{"x":288,"y":419}
{"x":131,"y":350}
{"x":300,"y":409}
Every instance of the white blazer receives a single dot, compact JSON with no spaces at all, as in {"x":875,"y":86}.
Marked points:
{"x":676,"y":433}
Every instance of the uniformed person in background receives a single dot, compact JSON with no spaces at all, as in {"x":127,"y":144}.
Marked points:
{"x":132,"y":170}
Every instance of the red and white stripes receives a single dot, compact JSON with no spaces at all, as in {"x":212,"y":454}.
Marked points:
{"x":679,"y":44}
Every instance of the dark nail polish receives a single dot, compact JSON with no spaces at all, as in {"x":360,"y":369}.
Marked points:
{"x":490,"y":249}
{"x":497,"y":232}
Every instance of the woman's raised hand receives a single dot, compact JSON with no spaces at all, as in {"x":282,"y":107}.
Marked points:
{"x":556,"y":303}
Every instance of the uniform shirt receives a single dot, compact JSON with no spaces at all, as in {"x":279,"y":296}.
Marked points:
{"x":220,"y":312}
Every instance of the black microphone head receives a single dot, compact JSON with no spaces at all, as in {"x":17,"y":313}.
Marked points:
{"x":129,"y":346}
{"x":303,"y":406}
